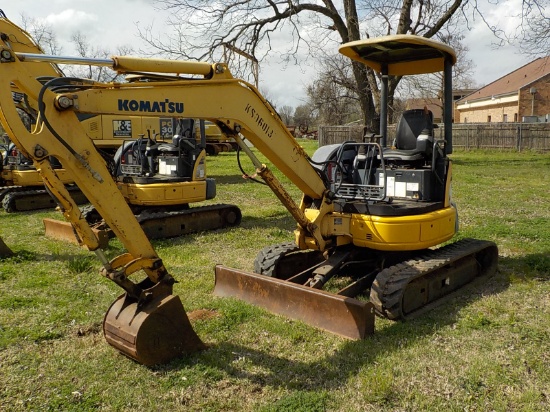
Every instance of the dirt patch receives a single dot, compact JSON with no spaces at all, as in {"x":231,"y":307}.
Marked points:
{"x":202,"y":314}
{"x":93,"y":329}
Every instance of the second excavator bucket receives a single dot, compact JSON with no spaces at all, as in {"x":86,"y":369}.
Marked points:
{"x":153,"y":334}
{"x":341,"y":315}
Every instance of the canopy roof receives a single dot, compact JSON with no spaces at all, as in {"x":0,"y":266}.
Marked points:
{"x":403,"y":54}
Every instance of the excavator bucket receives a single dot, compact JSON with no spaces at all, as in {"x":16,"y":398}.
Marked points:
{"x":334,"y":313}
{"x":152,"y":334}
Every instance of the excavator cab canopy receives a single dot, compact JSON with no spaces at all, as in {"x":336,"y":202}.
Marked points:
{"x":406,"y":54}
{"x":400,"y":54}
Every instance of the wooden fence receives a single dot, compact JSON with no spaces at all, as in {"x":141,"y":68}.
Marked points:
{"x":516,"y":136}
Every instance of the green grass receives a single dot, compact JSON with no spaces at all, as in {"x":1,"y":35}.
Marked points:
{"x":486,"y":349}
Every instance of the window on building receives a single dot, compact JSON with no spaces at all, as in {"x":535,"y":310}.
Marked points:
{"x":504,"y":118}
{"x":489,"y":119}
{"x":465,"y":120}
{"x":515,"y":117}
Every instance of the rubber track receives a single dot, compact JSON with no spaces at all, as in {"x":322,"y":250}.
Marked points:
{"x":269,"y":256}
{"x":390,"y":284}
{"x":163,"y":224}
{"x":5,"y":190}
{"x":10,"y":198}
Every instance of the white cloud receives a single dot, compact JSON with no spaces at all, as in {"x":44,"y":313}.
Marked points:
{"x":69,"y":21}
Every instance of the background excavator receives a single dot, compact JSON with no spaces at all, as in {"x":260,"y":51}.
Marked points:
{"x":158,"y":177}
{"x":368,"y":213}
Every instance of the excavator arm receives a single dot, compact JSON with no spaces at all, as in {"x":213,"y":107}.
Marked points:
{"x":138,"y":319}
{"x":234,"y":105}
{"x":130,"y":325}
{"x":218,"y":97}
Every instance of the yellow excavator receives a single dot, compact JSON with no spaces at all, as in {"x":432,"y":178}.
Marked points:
{"x":217,"y":142}
{"x":160,"y":173}
{"x":370,"y":214}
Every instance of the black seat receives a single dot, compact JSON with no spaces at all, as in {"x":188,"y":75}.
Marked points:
{"x":414,"y":136}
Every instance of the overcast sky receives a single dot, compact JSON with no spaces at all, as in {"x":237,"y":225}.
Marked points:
{"x":112,"y":23}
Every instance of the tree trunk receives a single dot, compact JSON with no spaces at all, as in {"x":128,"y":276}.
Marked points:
{"x":364,"y":90}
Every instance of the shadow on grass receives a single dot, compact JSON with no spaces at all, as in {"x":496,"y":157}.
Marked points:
{"x":333,"y":368}
{"x":277,"y":220}
{"x":535,"y":266}
{"x":24,"y":255}
{"x":232,"y":179}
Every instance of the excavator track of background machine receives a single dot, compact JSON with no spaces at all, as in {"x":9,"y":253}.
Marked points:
{"x":155,"y":224}
{"x":160,"y":225}
{"x":20,"y":199}
{"x":407,"y":289}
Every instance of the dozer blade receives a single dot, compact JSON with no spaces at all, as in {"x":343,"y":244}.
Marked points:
{"x":153,"y":334}
{"x":338,"y":314}
{"x":62,"y":230}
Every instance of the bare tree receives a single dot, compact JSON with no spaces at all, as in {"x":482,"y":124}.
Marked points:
{"x":304,"y":117}
{"x":287,"y":114}
{"x":534,"y":34}
{"x":201,"y":28}
{"x":333,"y":94}
{"x":42,"y":33}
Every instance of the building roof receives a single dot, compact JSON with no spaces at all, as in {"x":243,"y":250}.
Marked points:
{"x":431,"y":103}
{"x":513,"y":81}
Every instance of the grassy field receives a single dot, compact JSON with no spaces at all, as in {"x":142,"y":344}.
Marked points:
{"x":487,"y":349}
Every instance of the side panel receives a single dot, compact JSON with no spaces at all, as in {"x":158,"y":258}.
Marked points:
{"x":413,"y":232}
{"x":167,"y":194}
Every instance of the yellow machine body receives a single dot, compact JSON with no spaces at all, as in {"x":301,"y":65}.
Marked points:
{"x":165,"y":194}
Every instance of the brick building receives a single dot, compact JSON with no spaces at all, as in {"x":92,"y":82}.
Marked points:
{"x":521,"y":96}
{"x":436,"y":105}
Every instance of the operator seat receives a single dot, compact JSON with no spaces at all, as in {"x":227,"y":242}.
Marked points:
{"x":414,"y":137}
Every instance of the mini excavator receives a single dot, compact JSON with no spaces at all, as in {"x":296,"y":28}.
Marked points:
{"x":160,"y":174}
{"x":369,"y":214}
